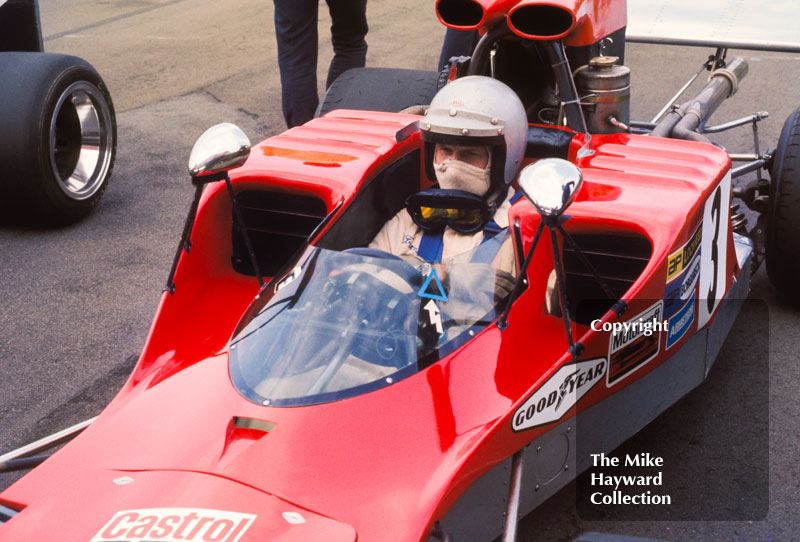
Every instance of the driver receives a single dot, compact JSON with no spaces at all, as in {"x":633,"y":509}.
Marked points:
{"x":474,"y":135}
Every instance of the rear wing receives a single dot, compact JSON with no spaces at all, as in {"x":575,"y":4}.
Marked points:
{"x":765,"y":25}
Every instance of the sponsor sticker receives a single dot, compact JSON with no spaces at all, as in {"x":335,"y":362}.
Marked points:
{"x":681,"y":289}
{"x":559,"y":393}
{"x":175,"y":525}
{"x":635,"y":344}
{"x":680,"y":323}
{"x":680,"y":260}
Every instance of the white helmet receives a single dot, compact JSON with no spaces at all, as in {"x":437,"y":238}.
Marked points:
{"x":478,"y":110}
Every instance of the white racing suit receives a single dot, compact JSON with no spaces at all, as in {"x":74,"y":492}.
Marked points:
{"x":472,"y":287}
{"x":401,"y":236}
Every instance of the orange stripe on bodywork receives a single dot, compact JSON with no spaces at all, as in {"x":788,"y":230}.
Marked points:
{"x":314,"y":158}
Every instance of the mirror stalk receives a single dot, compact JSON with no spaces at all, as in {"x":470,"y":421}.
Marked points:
{"x":502,"y":323}
{"x":219,"y":149}
{"x":188,"y":225}
{"x":619,"y":306}
{"x":553,"y":223}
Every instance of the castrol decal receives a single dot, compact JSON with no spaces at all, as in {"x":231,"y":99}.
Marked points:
{"x":175,"y":525}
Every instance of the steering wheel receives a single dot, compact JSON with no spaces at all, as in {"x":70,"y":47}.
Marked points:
{"x":376,"y":292}
{"x":372,"y":253}
{"x":400,"y":266}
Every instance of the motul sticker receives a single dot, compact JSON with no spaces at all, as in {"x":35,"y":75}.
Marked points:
{"x":175,"y":525}
{"x":559,"y":393}
{"x":635,"y":344}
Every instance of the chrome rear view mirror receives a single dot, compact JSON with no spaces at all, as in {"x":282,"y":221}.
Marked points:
{"x":551,"y":185}
{"x":220,"y":148}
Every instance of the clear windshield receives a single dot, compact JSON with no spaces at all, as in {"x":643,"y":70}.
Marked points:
{"x":344,"y":323}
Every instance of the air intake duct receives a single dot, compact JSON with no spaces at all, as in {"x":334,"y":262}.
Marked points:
{"x":471,"y":14}
{"x":533,"y":19}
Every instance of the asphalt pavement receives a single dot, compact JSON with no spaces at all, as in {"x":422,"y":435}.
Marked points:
{"x":77,"y":302}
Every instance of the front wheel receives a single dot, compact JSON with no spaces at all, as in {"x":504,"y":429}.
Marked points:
{"x":59,"y":135}
{"x":783,"y":215}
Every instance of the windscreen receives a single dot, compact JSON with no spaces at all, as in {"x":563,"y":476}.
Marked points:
{"x":344,"y":323}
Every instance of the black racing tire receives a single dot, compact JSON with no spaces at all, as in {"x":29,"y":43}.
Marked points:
{"x":58,"y":138}
{"x":783,"y":214}
{"x":379,"y":89}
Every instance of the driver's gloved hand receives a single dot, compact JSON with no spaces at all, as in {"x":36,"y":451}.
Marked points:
{"x":503,"y":286}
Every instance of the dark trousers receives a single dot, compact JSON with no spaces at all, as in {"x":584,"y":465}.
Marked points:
{"x":457,"y":43}
{"x":296,"y":32}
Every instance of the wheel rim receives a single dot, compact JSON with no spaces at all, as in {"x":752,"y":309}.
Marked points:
{"x":81,"y":140}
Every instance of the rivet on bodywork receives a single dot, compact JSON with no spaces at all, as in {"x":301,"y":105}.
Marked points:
{"x":453,"y":112}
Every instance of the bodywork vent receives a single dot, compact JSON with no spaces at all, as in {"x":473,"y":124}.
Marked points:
{"x":6,"y":513}
{"x":618,"y":259}
{"x":278,"y":225}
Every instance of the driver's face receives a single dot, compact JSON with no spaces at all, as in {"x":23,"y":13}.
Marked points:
{"x":477,"y":156}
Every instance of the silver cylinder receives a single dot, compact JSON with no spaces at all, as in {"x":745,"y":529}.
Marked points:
{"x":604,"y":88}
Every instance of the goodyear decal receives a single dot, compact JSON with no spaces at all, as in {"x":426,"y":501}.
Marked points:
{"x":679,"y":260}
{"x":629,"y":349}
{"x":175,"y":525}
{"x":559,"y":393}
{"x":680,"y":323}
{"x":681,"y":289}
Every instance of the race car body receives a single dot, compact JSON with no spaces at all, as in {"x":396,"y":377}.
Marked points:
{"x":298,"y":385}
{"x":209,"y":441}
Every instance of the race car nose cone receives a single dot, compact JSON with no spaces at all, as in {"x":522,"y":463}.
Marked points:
{"x":167,"y":505}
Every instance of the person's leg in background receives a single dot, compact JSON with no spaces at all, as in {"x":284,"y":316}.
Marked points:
{"x":457,"y":43}
{"x":296,"y":33}
{"x":348,"y":30}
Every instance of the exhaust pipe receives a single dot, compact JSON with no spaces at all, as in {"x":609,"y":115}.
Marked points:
{"x":684,"y":122}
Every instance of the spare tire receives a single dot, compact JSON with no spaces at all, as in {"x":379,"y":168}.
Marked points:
{"x":58,"y":137}
{"x":379,"y":89}
{"x":783,"y":214}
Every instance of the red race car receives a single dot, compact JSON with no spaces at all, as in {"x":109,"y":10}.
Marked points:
{"x":296,"y":385}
